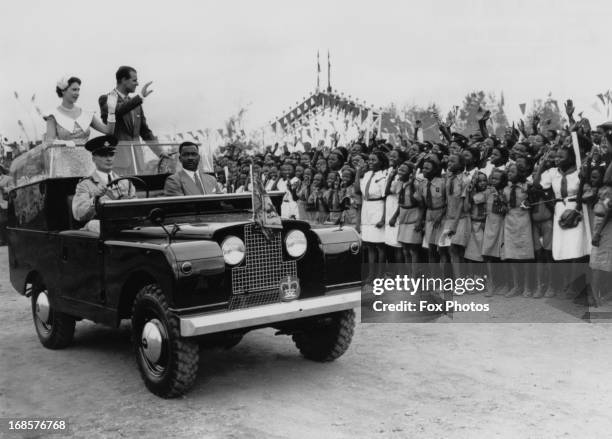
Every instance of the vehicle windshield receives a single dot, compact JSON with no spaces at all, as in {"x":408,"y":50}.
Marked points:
{"x":59,"y":160}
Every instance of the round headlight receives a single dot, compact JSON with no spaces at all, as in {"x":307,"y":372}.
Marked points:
{"x":295,"y":241}
{"x":233,"y":250}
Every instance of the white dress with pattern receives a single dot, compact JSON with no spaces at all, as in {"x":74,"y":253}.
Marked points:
{"x":372,"y":211}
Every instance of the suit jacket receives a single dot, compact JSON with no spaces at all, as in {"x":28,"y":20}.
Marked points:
{"x":180,"y":183}
{"x":83,"y":203}
{"x":131,"y":123}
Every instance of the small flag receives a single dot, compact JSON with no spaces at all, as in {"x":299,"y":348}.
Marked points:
{"x":264,"y":212}
{"x":523,"y":107}
{"x":16,"y":95}
{"x":601,"y":98}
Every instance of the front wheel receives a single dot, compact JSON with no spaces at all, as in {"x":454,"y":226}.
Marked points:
{"x":329,"y":338}
{"x":168,"y":363}
{"x":55,"y":329}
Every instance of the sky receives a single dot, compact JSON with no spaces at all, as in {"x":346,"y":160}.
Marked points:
{"x":209,"y":59}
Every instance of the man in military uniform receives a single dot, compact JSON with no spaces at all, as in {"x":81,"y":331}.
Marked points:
{"x":94,"y":188}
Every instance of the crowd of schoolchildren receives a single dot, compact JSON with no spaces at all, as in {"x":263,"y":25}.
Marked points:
{"x":478,"y":201}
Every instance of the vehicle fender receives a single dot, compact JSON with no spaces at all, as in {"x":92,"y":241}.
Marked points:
{"x":203,"y":257}
{"x":336,"y":241}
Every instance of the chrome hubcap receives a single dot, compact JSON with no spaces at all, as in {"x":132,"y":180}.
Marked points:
{"x":43,"y":307}
{"x":152,"y":340}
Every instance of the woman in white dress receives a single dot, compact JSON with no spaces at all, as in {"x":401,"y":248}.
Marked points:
{"x":568,"y":244}
{"x":372,"y":187}
{"x":394,"y":185}
{"x":68,"y":123}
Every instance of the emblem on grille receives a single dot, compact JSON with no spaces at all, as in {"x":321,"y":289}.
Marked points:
{"x":289,"y":288}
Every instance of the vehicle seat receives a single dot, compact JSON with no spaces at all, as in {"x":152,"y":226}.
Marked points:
{"x":152,"y":194}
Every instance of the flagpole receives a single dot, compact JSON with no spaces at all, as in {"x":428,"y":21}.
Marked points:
{"x":318,"y":72}
{"x":329,"y":89}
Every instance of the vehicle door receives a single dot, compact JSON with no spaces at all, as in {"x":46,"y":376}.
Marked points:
{"x":81,"y":267}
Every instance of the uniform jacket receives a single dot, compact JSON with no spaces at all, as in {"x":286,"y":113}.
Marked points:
{"x":180,"y":183}
{"x":83,"y":203}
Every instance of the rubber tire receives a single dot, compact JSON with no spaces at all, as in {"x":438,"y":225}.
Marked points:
{"x":182,"y":355}
{"x":329,"y":342}
{"x":62,"y":325}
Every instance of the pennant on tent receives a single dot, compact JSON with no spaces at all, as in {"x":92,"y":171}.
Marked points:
{"x":523,"y":107}
{"x":16,"y":95}
{"x":180,"y":135}
{"x":364,"y":115}
{"x":200,"y":131}
{"x":220,"y":131}
{"x":601,"y":98}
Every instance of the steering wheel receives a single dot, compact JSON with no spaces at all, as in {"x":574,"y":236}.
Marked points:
{"x":139,"y":180}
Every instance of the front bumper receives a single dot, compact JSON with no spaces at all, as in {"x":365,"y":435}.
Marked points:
{"x":210,"y":323}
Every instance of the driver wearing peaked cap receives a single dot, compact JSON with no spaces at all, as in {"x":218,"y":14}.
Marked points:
{"x":101,"y":184}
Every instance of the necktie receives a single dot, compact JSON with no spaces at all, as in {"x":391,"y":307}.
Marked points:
{"x":198,"y":182}
{"x":109,"y":178}
{"x":402,"y":195}
{"x":563,"y":185}
{"x":513,"y":195}
{"x":428,"y":197}
{"x":367,"y":188}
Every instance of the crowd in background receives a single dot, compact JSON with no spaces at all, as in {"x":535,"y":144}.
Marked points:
{"x":471,"y":198}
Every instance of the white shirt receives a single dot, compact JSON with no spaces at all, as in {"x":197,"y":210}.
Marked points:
{"x":191,"y":174}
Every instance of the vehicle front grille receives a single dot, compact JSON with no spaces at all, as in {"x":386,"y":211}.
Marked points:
{"x":264,"y":266}
{"x":241,"y":301}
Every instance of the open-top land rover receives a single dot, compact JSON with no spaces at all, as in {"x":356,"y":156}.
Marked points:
{"x":188,"y":271}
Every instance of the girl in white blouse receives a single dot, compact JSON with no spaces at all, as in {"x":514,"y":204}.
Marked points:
{"x":372,"y":187}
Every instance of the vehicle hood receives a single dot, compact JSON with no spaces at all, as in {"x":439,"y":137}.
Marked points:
{"x":203,"y":230}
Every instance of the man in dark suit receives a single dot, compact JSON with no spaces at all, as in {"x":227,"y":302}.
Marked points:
{"x":128,"y":115}
{"x":190,"y":180}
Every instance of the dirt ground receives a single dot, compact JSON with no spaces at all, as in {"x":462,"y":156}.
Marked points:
{"x":470,"y":380}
